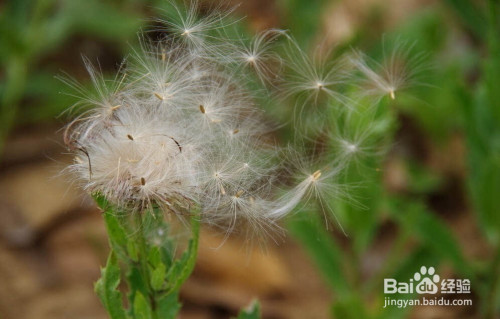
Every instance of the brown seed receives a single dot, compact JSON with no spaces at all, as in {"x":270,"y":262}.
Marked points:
{"x":130,"y":137}
{"x":391,"y":93}
{"x":177,"y":143}
{"x":239,"y":193}
{"x":316,"y":175}
{"x":143,"y":181}
{"x":202,"y":109}
{"x":236,"y":131}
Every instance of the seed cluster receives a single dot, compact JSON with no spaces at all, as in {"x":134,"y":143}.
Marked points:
{"x":179,"y":127}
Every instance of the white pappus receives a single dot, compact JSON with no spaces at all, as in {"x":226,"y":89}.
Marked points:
{"x":179,"y":126}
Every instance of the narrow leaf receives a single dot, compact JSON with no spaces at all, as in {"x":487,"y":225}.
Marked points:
{"x":117,"y":235}
{"x":416,"y":219}
{"x":324,"y":252}
{"x":142,"y":309}
{"x":168,"y":306}
{"x":182,"y":268}
{"x":158,"y":277}
{"x":106,"y":288}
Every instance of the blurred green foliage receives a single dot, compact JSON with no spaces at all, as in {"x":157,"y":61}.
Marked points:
{"x":448,"y":103}
{"x":34,"y":32}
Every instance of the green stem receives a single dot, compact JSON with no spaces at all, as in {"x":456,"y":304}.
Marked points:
{"x":143,"y":260}
{"x":15,"y":80}
{"x":493,"y":287}
{"x":154,"y":275}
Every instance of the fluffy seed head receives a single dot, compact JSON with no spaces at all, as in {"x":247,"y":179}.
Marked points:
{"x":179,"y":126}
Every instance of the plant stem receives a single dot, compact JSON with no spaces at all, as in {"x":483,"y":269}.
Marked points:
{"x":143,"y":260}
{"x":154,"y":274}
{"x":493,"y":285}
{"x":15,"y":81}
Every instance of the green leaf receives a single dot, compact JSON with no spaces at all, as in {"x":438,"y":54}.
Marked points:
{"x":324,"y":251}
{"x":302,"y":18}
{"x":135,"y":284}
{"x":154,"y":256}
{"x":434,"y":233}
{"x":133,"y":251}
{"x":106,"y":288}
{"x":484,"y":185}
{"x":250,"y":312}
{"x":483,"y":134}
{"x":117,"y":236}
{"x":99,"y":18}
{"x":158,"y":277}
{"x":402,"y":272}
{"x":349,"y":308}
{"x":182,"y":268}
{"x":142,"y":308}
{"x":168,"y":306}
{"x":471,"y":15}
{"x":421,"y":180}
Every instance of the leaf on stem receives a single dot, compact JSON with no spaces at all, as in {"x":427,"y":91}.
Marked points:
{"x":106,"y":288}
{"x":182,"y":268}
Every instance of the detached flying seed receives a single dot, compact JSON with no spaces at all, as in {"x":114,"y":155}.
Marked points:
{"x":393,"y":96}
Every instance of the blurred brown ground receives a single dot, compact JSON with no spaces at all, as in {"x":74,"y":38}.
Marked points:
{"x":52,"y":238}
